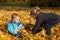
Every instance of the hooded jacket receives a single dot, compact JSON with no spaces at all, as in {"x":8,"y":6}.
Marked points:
{"x":13,"y":27}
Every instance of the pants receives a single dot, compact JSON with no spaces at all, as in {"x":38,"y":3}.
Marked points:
{"x":48,"y":27}
{"x":19,"y":35}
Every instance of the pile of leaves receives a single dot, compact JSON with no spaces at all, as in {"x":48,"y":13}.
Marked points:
{"x":5,"y":17}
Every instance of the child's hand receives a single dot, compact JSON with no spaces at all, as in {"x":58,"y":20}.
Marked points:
{"x":23,"y":31}
{"x":15,"y":32}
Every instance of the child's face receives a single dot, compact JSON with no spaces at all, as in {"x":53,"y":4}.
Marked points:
{"x":33,"y":16}
{"x":16,"y":19}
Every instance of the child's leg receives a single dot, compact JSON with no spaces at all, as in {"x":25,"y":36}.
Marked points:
{"x":19,"y":35}
{"x":48,"y":28}
{"x":59,"y":19}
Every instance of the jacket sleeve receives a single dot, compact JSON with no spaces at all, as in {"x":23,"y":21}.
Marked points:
{"x":11,"y":29}
{"x":38,"y":23}
{"x":21,"y":26}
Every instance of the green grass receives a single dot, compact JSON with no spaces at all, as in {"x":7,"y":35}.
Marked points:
{"x":13,"y":8}
{"x":23,"y":7}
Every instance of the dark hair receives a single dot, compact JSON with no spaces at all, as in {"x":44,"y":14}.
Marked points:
{"x":13,"y":15}
{"x":35,"y":10}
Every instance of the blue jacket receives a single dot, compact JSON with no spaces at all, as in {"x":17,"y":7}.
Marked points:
{"x":14,"y":27}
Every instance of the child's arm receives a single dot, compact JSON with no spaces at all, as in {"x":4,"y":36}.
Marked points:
{"x":11,"y":29}
{"x":21,"y":26}
{"x":37,"y":25}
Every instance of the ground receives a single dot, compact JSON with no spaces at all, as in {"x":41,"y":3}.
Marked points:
{"x":5,"y":17}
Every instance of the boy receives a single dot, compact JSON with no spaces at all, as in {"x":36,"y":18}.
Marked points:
{"x":44,"y":19}
{"x":14,"y":25}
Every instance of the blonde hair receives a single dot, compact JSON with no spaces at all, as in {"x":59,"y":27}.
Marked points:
{"x":35,"y":10}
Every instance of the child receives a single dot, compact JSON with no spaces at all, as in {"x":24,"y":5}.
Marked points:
{"x":14,"y":25}
{"x":48,"y":20}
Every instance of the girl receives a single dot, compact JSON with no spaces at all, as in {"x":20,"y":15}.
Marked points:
{"x":48,"y":20}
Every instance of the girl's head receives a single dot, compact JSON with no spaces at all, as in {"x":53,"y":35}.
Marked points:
{"x":15,"y":17}
{"x":35,"y":11}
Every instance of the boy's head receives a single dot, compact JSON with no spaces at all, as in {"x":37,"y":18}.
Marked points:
{"x":15,"y":17}
{"x":35,"y":11}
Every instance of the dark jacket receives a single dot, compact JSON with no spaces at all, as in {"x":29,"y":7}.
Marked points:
{"x":44,"y":18}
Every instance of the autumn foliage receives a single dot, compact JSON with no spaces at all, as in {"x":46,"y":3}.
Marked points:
{"x":5,"y":17}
